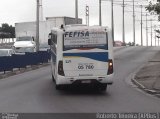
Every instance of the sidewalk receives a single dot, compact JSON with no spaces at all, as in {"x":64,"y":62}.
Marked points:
{"x":148,"y":78}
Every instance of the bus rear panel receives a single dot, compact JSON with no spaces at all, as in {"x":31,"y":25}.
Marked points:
{"x":86,"y":57}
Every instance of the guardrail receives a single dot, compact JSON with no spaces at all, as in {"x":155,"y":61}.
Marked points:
{"x":8,"y":63}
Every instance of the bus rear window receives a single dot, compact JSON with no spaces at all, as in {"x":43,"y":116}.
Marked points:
{"x":85,"y":39}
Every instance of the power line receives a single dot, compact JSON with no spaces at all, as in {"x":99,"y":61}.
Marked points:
{"x":148,"y":20}
{"x":136,"y":11}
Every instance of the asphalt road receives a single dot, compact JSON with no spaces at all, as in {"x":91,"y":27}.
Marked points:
{"x":34,"y":91}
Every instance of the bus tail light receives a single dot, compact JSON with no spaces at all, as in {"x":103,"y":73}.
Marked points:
{"x":60,"y":68}
{"x":110,"y":67}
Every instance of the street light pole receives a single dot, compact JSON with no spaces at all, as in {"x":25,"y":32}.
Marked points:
{"x":141,"y":28}
{"x":112,"y":20}
{"x":123,"y":26}
{"x":146,"y":30}
{"x":87,"y":15}
{"x":151,"y":32}
{"x":155,"y":35}
{"x":134,"y":25}
{"x":100,"y":17}
{"x":37,"y":27}
{"x":155,"y":39}
{"x":76,"y":11}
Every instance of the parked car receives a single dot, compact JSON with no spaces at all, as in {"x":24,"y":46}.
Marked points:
{"x":118,"y":43}
{"x":6,"y":52}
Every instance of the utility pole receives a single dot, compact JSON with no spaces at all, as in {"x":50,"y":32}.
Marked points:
{"x":151,"y":32}
{"x":155,"y":39}
{"x":100,"y":18}
{"x":155,"y":35}
{"x":37,"y":28}
{"x":112,"y":20}
{"x":40,"y":11}
{"x":87,"y":15}
{"x":123,"y":27}
{"x":146,"y":29}
{"x":76,"y":11}
{"x":134,"y":25}
{"x":158,"y":41}
{"x":141,"y":28}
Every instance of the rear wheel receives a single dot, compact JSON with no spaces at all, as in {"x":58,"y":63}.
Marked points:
{"x":59,"y":87}
{"x":103,"y":87}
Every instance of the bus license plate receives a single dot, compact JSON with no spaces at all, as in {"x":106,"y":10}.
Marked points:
{"x":86,"y":66}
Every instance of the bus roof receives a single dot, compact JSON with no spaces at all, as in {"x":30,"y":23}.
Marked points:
{"x":84,"y":27}
{"x":81,"y":27}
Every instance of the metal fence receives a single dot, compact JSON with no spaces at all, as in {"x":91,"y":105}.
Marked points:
{"x":8,"y":63}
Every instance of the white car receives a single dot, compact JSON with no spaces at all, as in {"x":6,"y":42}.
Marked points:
{"x":24,"y":44}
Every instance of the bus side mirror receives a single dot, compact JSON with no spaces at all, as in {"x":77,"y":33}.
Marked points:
{"x":49,"y":42}
{"x":49,"y":39}
{"x":33,"y":38}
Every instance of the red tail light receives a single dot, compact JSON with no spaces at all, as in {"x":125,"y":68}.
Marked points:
{"x":60,"y":68}
{"x":110,"y":67}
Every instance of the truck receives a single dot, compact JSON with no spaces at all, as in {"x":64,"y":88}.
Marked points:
{"x":27,"y":31}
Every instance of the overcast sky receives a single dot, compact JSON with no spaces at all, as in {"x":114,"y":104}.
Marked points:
{"x":13,"y":11}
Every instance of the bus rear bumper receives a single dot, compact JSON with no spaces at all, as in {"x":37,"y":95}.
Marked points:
{"x":62,"y":80}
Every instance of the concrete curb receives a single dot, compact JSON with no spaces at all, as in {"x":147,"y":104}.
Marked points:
{"x":23,"y":70}
{"x":142,"y":87}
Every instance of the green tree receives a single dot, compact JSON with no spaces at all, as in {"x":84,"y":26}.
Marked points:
{"x":12,"y":31}
{"x":158,"y":31}
{"x":7,"y":31}
{"x":154,"y":7}
{"x":5,"y":28}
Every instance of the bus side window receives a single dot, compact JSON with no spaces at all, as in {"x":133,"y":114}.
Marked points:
{"x":50,"y":39}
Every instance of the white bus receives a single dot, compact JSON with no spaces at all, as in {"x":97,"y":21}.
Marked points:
{"x":81,"y":54}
